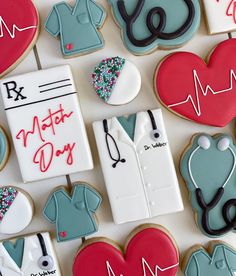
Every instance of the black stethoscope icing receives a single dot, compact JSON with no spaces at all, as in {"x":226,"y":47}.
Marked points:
{"x":223,"y":145}
{"x":46,"y":261}
{"x":155,"y":134}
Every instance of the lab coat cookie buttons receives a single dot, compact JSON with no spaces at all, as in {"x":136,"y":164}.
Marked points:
{"x":137,"y":147}
{"x":208,"y":167}
{"x":18,"y":32}
{"x":149,"y":250}
{"x":218,"y":259}
{"x":46,"y":123}
{"x":116,"y":80}
{"x":16,"y":210}
{"x":141,"y":31}
{"x":78,"y":26}
{"x":28,"y":256}
{"x":73,"y":215}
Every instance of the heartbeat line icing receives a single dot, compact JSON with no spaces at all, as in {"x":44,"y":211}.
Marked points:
{"x":197,"y":84}
{"x":14,"y":28}
{"x":202,"y":92}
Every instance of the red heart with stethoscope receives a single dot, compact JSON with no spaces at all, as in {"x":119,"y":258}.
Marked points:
{"x":150,"y":251}
{"x":204,"y":93}
{"x":19,"y":26}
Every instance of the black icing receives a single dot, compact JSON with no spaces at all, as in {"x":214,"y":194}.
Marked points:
{"x":156,"y":32}
{"x":230,"y":223}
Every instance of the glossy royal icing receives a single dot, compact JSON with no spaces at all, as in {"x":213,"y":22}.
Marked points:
{"x":16,"y":210}
{"x":138,"y":148}
{"x":220,"y":15}
{"x":148,"y":24}
{"x":46,"y":123}
{"x":202,"y":93}
{"x":64,"y":210}
{"x":209,"y":170}
{"x":217,"y":260}
{"x":77,"y":26}
{"x":28,"y":256}
{"x":117,"y":81}
{"x":4,"y":148}
{"x":150,"y":251}
{"x":19,"y":24}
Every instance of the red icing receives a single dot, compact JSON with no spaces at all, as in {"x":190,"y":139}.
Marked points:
{"x":146,"y":250}
{"x":15,"y":16}
{"x":215,"y":85}
{"x":63,"y":234}
{"x":69,"y":46}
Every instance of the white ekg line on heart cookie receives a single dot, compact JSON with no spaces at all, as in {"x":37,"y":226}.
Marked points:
{"x":197,"y":83}
{"x":14,"y":28}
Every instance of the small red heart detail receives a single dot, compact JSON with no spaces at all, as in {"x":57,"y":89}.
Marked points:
{"x":204,"y":93}
{"x":69,"y":46}
{"x":63,"y":234}
{"x":19,"y":23}
{"x":151,"y":251}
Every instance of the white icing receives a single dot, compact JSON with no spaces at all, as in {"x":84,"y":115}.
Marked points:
{"x":223,"y":144}
{"x":220,"y":15}
{"x":31,"y":255}
{"x":66,"y":141}
{"x":204,"y":142}
{"x":127,"y":86}
{"x":19,"y":215}
{"x":11,"y":32}
{"x":204,"y":92}
{"x":150,"y":175}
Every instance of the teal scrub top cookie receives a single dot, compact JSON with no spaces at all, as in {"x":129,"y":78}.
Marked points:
{"x":209,"y":170}
{"x":149,"y":24}
{"x":73,"y":215}
{"x":221,"y":262}
{"x":77,"y":26}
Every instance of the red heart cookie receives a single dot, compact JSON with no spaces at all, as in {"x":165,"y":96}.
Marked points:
{"x":150,"y":251}
{"x":199,"y":92}
{"x":19,"y":24}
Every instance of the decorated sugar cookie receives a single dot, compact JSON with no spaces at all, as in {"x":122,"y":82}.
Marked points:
{"x":220,"y":15}
{"x":217,"y":260}
{"x":78,"y":26}
{"x":150,"y":250}
{"x":204,"y":93}
{"x":208,"y":167}
{"x":116,"y":80}
{"x":73,"y":214}
{"x":46,"y":123}
{"x":28,"y":256}
{"x":19,"y":27}
{"x":4,"y":148}
{"x":16,"y":210}
{"x":137,"y":147}
{"x":149,"y":24}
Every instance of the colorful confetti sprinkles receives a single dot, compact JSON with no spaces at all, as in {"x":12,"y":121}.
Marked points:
{"x":105,"y":76}
{"x":7,"y":196}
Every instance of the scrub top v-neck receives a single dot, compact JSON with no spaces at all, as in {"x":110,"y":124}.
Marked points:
{"x":128,"y":124}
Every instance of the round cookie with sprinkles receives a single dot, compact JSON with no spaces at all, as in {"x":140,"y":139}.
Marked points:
{"x":116,"y":80}
{"x":16,"y":210}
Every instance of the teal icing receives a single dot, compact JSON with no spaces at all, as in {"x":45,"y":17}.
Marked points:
{"x":16,"y":251}
{"x":222,"y":262}
{"x":73,"y":215}
{"x":77,"y":26}
{"x":128,"y":124}
{"x":210,"y":169}
{"x":3,"y":146}
{"x":176,"y":13}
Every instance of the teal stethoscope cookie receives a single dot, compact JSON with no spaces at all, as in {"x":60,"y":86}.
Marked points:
{"x":4,"y":148}
{"x":149,"y":24}
{"x":209,"y":170}
{"x":77,"y":26}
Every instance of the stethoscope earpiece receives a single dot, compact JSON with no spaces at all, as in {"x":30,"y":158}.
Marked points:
{"x":223,"y":144}
{"x":204,"y":142}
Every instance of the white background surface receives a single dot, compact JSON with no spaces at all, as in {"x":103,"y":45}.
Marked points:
{"x":181,"y":225}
